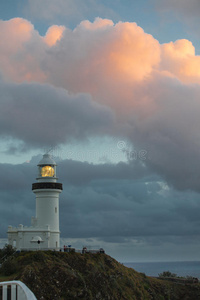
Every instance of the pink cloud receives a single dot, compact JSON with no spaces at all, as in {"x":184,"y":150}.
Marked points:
{"x":97,"y":24}
{"x":180,"y":60}
{"x":92,"y":56}
{"x":112,"y":62}
{"x":103,"y":59}
{"x":100,"y":49}
{"x":54,"y":34}
{"x":19,"y":51}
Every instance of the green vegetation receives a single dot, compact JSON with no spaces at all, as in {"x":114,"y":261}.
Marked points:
{"x":58,"y":275}
{"x":7,"y":251}
{"x":167,"y":274}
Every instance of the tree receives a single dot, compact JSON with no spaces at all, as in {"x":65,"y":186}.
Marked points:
{"x":7,"y":251}
{"x":9,"y":267}
{"x":167,"y":274}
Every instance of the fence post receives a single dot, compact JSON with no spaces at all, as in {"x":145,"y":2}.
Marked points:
{"x":13,"y":292}
{"x":4,"y":292}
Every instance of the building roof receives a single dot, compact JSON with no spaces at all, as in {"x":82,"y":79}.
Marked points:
{"x":47,"y":160}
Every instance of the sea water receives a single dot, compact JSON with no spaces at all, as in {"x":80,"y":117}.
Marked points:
{"x":181,"y":268}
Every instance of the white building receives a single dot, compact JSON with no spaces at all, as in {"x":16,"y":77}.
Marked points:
{"x":44,"y":231}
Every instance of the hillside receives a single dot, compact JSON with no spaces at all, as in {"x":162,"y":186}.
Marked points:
{"x":58,"y":275}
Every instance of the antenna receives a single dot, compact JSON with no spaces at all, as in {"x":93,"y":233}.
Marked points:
{"x":48,"y":150}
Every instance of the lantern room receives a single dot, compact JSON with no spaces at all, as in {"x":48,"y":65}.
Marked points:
{"x":47,"y":169}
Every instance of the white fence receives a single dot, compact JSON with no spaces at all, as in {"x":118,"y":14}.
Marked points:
{"x":15,"y":290}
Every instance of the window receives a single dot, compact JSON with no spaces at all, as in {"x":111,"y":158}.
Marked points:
{"x":55,"y":209}
{"x":47,"y":171}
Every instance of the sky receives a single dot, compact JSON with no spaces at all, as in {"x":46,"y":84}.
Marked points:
{"x":112,"y":90}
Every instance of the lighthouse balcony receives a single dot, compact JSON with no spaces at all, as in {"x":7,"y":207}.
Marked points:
{"x":47,"y":185}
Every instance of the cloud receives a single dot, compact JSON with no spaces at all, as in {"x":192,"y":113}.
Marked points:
{"x":104,"y":59}
{"x":104,"y":79}
{"x":115,"y":204}
{"x":71,"y":9}
{"x":186,"y":12}
{"x":84,"y":173}
{"x":99,"y":58}
{"x":54,"y":34}
{"x":170,"y":133}
{"x":179,"y":59}
{"x":21,"y":46}
{"x":42,"y":115}
{"x":188,"y":8}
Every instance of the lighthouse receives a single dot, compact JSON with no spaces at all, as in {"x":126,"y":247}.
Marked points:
{"x":47,"y":191}
{"x":44,"y":232}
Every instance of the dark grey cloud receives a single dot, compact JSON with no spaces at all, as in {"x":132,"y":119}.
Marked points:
{"x":170,"y":135}
{"x":106,"y":206}
{"x":79,"y":173}
{"x":41,"y":115}
{"x":16,"y":177}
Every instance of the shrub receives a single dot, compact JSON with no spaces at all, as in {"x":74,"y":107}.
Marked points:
{"x":167,"y":274}
{"x":9,"y":267}
{"x":8,"y":250}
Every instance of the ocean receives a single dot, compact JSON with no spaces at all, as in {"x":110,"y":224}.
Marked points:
{"x":182,"y":268}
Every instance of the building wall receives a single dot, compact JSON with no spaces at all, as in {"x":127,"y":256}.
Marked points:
{"x":47,"y":208}
{"x":21,"y":238}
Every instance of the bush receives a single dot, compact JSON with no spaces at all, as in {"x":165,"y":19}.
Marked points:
{"x":167,"y":274}
{"x":8,"y":250}
{"x":9,"y":267}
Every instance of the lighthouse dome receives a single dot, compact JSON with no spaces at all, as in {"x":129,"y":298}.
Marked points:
{"x":47,"y":160}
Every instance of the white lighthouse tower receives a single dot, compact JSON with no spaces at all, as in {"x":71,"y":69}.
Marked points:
{"x":47,"y":191}
{"x":44,"y":232}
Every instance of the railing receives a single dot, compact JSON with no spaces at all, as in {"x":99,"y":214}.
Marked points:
{"x":67,"y":249}
{"x":38,"y":248}
{"x":47,"y":185}
{"x":15,"y":290}
{"x":84,"y":250}
{"x":190,"y":280}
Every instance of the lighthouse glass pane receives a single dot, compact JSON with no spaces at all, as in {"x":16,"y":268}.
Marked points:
{"x":47,"y":171}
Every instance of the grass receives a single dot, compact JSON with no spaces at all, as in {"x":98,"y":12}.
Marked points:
{"x":58,"y":275}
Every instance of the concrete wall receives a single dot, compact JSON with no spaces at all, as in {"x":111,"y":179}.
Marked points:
{"x":47,"y":208}
{"x":21,"y":238}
